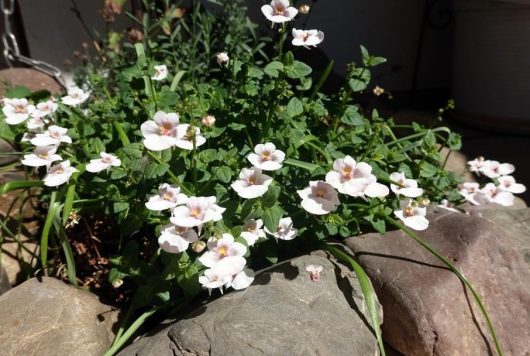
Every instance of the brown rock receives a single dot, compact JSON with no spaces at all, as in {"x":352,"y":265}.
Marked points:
{"x":29,"y":78}
{"x":5,"y":147}
{"x":49,"y":317}
{"x":4,"y":282}
{"x":427,"y":310}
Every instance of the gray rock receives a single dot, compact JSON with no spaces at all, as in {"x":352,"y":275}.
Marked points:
{"x":282,"y":313}
{"x":49,"y":317}
{"x":427,"y":310}
{"x":516,"y":222}
{"x":4,"y":281}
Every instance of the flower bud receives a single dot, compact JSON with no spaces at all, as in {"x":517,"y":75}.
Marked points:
{"x":378,"y":90}
{"x":424,"y":202}
{"x":198,"y":246}
{"x":117,"y":283}
{"x":304,"y":9}
{"x":222,"y":58}
{"x":208,"y":120}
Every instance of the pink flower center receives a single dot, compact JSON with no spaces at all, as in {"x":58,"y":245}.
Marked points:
{"x":279,"y":10}
{"x":165,"y":129}
{"x":408,"y":211}
{"x":265,"y":155}
{"x":195,"y":212}
{"x":20,"y":109}
{"x":222,"y":251}
{"x":347,"y":172}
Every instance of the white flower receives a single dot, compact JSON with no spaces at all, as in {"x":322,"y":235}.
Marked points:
{"x":494,"y":169}
{"x":408,"y":188}
{"x":161,"y":72}
{"x":168,"y":197}
{"x":471,"y":192}
{"x":319,"y":198}
{"x":106,"y":161}
{"x":476,"y":164}
{"x":285,"y":230}
{"x":494,"y":194}
{"x":17,"y":110}
{"x":444,"y":204}
{"x":76,"y":96}
{"x":214,"y":278}
{"x":307,"y":38}
{"x":314,"y":272}
{"x":222,"y":58}
{"x":41,"y":156}
{"x":35,"y":124}
{"x":225,"y":252}
{"x":412,"y":215}
{"x":252,"y":231}
{"x":507,"y":183}
{"x":44,"y":108}
{"x":161,"y":132}
{"x":53,"y":136}
{"x":197,"y":211}
{"x":175,"y":239}
{"x":242,"y":280}
{"x":279,"y":11}
{"x":185,"y":136}
{"x":355,"y":179}
{"x":208,"y":120}
{"x":59,"y":174}
{"x":266,"y":157}
{"x":251,"y":183}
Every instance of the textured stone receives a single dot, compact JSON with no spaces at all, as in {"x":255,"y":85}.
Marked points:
{"x":4,"y":281}
{"x":29,"y":78}
{"x":282,"y":313}
{"x":5,"y":147}
{"x":427,"y":310}
{"x":49,"y":317}
{"x":516,"y":222}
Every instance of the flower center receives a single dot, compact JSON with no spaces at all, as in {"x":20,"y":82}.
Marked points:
{"x":347,"y":172}
{"x":409,"y":211}
{"x":59,"y":170}
{"x":20,"y":109}
{"x":43,"y":155}
{"x":180,"y":230}
{"x":165,"y":129}
{"x":222,"y":251}
{"x":167,"y":196}
{"x":279,"y":9}
{"x":195,"y":212}
{"x":265,"y":156}
{"x":55,"y":134}
{"x":320,"y":193}
{"x":251,"y":180}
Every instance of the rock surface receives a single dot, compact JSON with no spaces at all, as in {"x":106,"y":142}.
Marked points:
{"x":282,"y":313}
{"x":4,"y":281}
{"x":53,"y":318}
{"x":5,"y":147}
{"x":29,"y":78}
{"x":516,"y":222}
{"x":427,"y":311}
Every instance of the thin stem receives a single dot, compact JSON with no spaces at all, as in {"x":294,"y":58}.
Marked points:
{"x":194,"y":162}
{"x":173,"y":176}
{"x":282,"y":39}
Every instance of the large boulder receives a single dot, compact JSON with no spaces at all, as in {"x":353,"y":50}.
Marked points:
{"x":283,"y":312}
{"x":49,"y":317}
{"x":29,"y":78}
{"x":427,"y":309}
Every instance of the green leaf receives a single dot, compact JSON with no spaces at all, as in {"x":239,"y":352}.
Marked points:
{"x":294,"y":107}
{"x":20,"y":184}
{"x":271,"y":217}
{"x":273,"y":69}
{"x":18,"y":92}
{"x":133,"y":150}
{"x":428,"y":170}
{"x":120,"y":206}
{"x":301,"y":164}
{"x":271,"y":196}
{"x":360,"y":77}
{"x":224,"y":174}
{"x":352,"y":116}
{"x":298,"y":70}
{"x":155,"y":170}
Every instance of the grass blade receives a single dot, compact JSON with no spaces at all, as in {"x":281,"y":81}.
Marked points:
{"x":322,"y":80}
{"x":48,"y":222}
{"x":19,"y":184}
{"x":67,"y":250}
{"x":176,"y":80}
{"x":455,"y":270}
{"x":367,"y":289}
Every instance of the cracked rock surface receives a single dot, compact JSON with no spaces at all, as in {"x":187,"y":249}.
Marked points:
{"x":49,"y":317}
{"x":282,"y":313}
{"x":427,"y":310}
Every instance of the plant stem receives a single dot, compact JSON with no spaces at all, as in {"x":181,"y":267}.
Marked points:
{"x":455,"y":270}
{"x":282,"y":40}
{"x":194,"y":162}
{"x":173,"y":176}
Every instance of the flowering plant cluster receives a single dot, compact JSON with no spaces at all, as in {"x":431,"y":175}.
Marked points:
{"x":224,"y":166}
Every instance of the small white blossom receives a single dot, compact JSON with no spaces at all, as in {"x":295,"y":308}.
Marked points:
{"x":251,"y":183}
{"x":55,"y":135}
{"x":106,"y":161}
{"x":319,"y":198}
{"x":508,"y":184}
{"x":168,"y":197}
{"x":185,"y":136}
{"x":266,"y":157}
{"x":59,"y":174}
{"x":493,"y":194}
{"x":476,"y":164}
{"x":225,"y":252}
{"x":161,"y":72}
{"x":472,"y":193}
{"x":307,"y":38}
{"x":36,"y":124}
{"x":279,"y":11}
{"x":17,"y":111}
{"x":197,"y":211}
{"x":444,"y":204}
{"x":242,"y":280}
{"x":408,"y":188}
{"x":41,"y":156}
{"x":412,"y":215}
{"x":355,"y":179}
{"x":45,"y":108}
{"x":494,"y":169}
{"x":161,"y":132}
{"x":214,"y":278}
{"x":222,"y":58}
{"x":314,"y":272}
{"x":175,"y":239}
{"x":208,"y":120}
{"x":76,"y":96}
{"x":252,"y":231}
{"x":284,"y":231}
